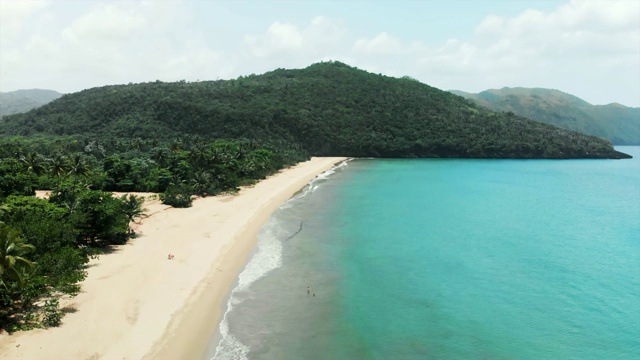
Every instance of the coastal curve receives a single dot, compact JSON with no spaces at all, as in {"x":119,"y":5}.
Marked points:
{"x":138,"y":302}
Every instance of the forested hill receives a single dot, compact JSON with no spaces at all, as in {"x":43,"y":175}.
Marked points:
{"x":14,"y":102}
{"x":327,"y":109}
{"x":618,"y":123}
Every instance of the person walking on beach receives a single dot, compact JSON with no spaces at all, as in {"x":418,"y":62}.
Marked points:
{"x":308,"y":290}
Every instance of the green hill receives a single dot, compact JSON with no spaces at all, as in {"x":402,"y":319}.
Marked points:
{"x":615,"y":122}
{"x":326,"y":109}
{"x":14,"y":102}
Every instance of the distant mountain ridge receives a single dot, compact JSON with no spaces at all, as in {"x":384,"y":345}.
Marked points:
{"x":326,"y":109}
{"x":615,"y":122}
{"x":19,"y":101}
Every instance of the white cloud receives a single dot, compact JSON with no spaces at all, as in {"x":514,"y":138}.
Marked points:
{"x":588,"y":48}
{"x":17,"y":11}
{"x":279,"y":37}
{"x":578,"y":25}
{"x":291,"y":45}
{"x":109,"y":43}
{"x":382,"y":43}
{"x":14,"y":16}
{"x":579,"y":41}
{"x":614,"y":15}
{"x":287,"y":39}
{"x":388,"y":45}
{"x":106,"y":23}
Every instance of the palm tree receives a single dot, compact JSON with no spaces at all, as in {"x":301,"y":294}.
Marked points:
{"x":67,"y":197}
{"x":12,"y":262}
{"x":177,"y":145}
{"x":33,"y":162}
{"x":160,"y":155}
{"x":136,"y":143}
{"x":176,"y":180}
{"x":58,"y":165}
{"x":241,"y":151}
{"x":77,"y":166}
{"x":201,"y":182}
{"x":222,"y":154}
{"x":198,"y":154}
{"x":132,"y":206}
{"x":247,"y":167}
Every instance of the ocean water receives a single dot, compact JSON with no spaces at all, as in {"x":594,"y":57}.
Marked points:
{"x":447,"y":259}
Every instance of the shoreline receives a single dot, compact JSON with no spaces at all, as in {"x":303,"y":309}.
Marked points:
{"x":136,"y":303}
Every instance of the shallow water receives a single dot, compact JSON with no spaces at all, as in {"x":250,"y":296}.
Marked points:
{"x":447,"y":259}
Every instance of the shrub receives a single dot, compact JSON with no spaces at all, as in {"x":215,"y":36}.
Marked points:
{"x":178,"y":196}
{"x":52,"y":316}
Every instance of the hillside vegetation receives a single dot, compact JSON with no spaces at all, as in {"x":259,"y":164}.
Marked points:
{"x":326,"y":109}
{"x":46,"y":243}
{"x":615,"y":122}
{"x":14,"y":102}
{"x":206,"y":138}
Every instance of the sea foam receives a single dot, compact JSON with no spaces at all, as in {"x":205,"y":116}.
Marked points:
{"x":267,"y":258}
{"x":314,"y":184}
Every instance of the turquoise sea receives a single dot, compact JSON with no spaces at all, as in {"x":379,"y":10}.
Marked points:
{"x":447,"y":259}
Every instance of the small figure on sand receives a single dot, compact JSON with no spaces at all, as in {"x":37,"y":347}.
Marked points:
{"x":170,"y":256}
{"x":308,"y":290}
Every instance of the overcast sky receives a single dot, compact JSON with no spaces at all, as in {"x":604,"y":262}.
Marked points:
{"x":590,"y":49}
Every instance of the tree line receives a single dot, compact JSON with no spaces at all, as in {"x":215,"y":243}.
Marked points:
{"x":46,"y":243}
{"x":183,"y":139}
{"x":326,"y":109}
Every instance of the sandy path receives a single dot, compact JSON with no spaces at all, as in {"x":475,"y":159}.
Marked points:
{"x":135,"y":303}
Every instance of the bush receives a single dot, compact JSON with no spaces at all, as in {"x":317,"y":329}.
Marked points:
{"x":52,"y":316}
{"x":178,"y":196}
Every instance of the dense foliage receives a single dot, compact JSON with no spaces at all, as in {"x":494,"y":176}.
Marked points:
{"x":324,"y":109}
{"x":618,"y":123}
{"x":184,"y":139}
{"x":46,"y":243}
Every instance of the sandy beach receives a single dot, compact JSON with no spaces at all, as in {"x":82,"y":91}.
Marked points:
{"x":136,"y":303}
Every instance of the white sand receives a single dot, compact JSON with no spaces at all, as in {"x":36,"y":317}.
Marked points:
{"x":135,"y":303}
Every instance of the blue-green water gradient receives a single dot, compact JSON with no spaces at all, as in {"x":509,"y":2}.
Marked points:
{"x":453,"y":259}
